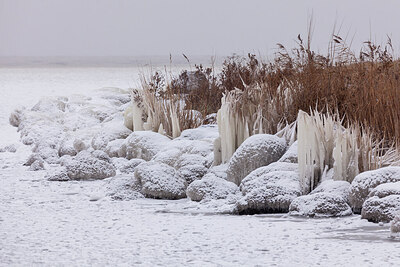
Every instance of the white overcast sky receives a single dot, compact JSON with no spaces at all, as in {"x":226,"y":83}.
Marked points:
{"x":201,"y":27}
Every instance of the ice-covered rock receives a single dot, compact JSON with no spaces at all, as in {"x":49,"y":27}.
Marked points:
{"x":384,"y":190}
{"x":395,"y":226}
{"x":37,"y":165}
{"x":108,"y":134}
{"x":80,"y":145}
{"x":113,"y":148}
{"x":320,"y":205}
{"x":144,"y":145}
{"x":16,"y":117}
{"x":363,"y":184}
{"x":9,"y":148}
{"x":291,"y":154}
{"x":130,"y":165}
{"x":210,"y":187}
{"x":203,"y":132}
{"x":256,"y":151}
{"x":86,"y":165}
{"x":268,"y":192}
{"x":32,"y":158}
{"x":123,"y":187}
{"x":337,"y":188}
{"x":67,"y":147}
{"x":58,"y":174}
{"x":273,"y":167}
{"x":191,"y":173}
{"x":384,"y":209}
{"x":158,"y":180}
{"x":219,"y":171}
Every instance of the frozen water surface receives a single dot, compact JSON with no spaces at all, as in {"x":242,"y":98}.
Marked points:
{"x":56,"y":224}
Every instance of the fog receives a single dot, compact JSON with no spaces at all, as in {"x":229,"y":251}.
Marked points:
{"x":208,"y":27}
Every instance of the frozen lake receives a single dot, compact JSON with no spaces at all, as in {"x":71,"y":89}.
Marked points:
{"x":55,"y":224}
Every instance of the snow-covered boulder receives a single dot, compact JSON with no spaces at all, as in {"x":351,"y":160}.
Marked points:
{"x":384,"y":209}
{"x":204,"y":132}
{"x":191,"y":173}
{"x":270,"y":192}
{"x":384,"y":190}
{"x":320,"y":205}
{"x":67,"y":147}
{"x":16,"y":117}
{"x":256,"y":151}
{"x":32,"y":158}
{"x":113,"y":148}
{"x":9,"y":148}
{"x":143,"y":145}
{"x":108,"y":134}
{"x":58,"y":174}
{"x":337,"y":188}
{"x":219,"y":171}
{"x":210,"y":187}
{"x":37,"y":165}
{"x":291,"y":154}
{"x":130,"y":165}
{"x":395,"y":226}
{"x":123,"y":187}
{"x":363,"y":184}
{"x":273,"y":167}
{"x":90,"y":165}
{"x":158,"y":180}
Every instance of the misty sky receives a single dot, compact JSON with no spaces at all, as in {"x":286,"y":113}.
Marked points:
{"x":202,"y":27}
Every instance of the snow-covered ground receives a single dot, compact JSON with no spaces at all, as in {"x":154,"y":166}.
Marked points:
{"x":55,"y":223}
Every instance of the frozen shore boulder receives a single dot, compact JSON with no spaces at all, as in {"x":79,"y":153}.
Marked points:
{"x":89,"y":165}
{"x":337,"y":188}
{"x":384,"y":190}
{"x":211,"y":187}
{"x":365,"y":182}
{"x":143,"y":145}
{"x":158,"y":180}
{"x":191,"y":173}
{"x":320,"y":205}
{"x":291,"y":154}
{"x":384,"y":209}
{"x":269,"y":192}
{"x":256,"y":151}
{"x":58,"y":174}
{"x":123,"y":187}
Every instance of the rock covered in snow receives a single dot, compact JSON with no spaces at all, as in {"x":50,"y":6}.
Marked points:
{"x":268,"y":192}
{"x":363,"y":184}
{"x":130,"y":165}
{"x":16,"y":117}
{"x":320,"y":205}
{"x":67,"y":147}
{"x":113,"y":148}
{"x":143,"y":145}
{"x":337,"y":188}
{"x":395,"y":226}
{"x":123,"y":187}
{"x":110,"y":131}
{"x":204,"y":132}
{"x":256,"y":151}
{"x":191,"y":173}
{"x":90,"y":165}
{"x":291,"y":154}
{"x":384,"y":190}
{"x":384,"y":209}
{"x":37,"y":165}
{"x":58,"y":174}
{"x":211,"y":187}
{"x":158,"y":180}
{"x":9,"y":148}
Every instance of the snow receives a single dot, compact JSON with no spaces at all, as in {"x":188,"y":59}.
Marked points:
{"x":256,"y":151}
{"x":366,"y":181}
{"x":320,"y":205}
{"x":54,"y":223}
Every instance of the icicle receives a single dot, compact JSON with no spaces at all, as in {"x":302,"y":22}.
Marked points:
{"x":161,"y":129}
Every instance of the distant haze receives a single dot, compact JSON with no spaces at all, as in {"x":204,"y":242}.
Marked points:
{"x":204,"y":27}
